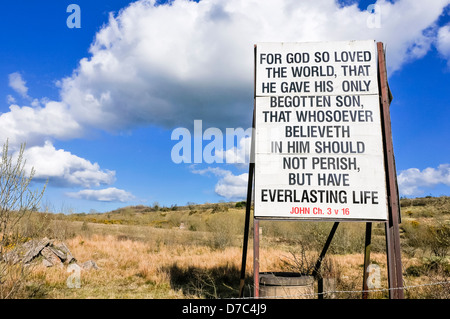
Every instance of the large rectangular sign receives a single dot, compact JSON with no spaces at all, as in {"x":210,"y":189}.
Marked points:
{"x":318,"y":138}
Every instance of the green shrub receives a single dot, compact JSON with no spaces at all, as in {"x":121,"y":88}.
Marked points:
{"x":241,"y":204}
{"x":434,"y":237}
{"x":224,"y":228}
{"x":439,"y":239}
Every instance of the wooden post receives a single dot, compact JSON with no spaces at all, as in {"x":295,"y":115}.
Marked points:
{"x":248,"y":204}
{"x":320,"y":259}
{"x":246,"y":228}
{"x":256,"y":256}
{"x":365,"y":293}
{"x":325,"y":249}
{"x":392,"y":228}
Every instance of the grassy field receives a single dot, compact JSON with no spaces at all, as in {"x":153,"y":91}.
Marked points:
{"x":195,"y":251}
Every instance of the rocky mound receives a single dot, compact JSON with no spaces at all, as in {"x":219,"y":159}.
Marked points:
{"x":51,"y":252}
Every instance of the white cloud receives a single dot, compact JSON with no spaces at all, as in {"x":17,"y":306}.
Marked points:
{"x":230,"y":186}
{"x":111,"y":194}
{"x":65,"y":169}
{"x":443,"y":42}
{"x":239,"y":154}
{"x":18,"y":84}
{"x":35,"y":125}
{"x":169,"y":64}
{"x":412,"y":181}
{"x":10,"y":99}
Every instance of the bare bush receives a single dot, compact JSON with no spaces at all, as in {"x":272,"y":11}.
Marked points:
{"x":224,"y":230}
{"x":17,"y":201}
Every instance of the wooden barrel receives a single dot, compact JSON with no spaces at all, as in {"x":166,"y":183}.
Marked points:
{"x":286,"y":285}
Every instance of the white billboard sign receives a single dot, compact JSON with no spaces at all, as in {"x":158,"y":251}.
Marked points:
{"x":318,"y":141}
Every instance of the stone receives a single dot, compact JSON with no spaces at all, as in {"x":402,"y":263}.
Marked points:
{"x":46,"y":263}
{"x":34,"y":247}
{"x":52,"y":254}
{"x":90,"y":264}
{"x":51,"y":257}
{"x":70,"y":259}
{"x":62,"y":247}
{"x":60,"y":254}
{"x":68,"y":255}
{"x":11,"y":257}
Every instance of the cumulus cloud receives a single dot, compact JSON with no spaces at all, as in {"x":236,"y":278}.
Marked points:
{"x":110,"y":194}
{"x":34,"y":125}
{"x":443,"y":42}
{"x":10,"y":99}
{"x":169,"y":64}
{"x":64,"y":169}
{"x":412,"y":181}
{"x":239,"y":154}
{"x":18,"y":84}
{"x":230,"y":186}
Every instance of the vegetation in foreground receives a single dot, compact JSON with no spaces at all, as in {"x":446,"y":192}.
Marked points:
{"x":195,"y":251}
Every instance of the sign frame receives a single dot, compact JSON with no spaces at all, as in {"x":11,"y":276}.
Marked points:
{"x":323,"y":202}
{"x":393,"y":250}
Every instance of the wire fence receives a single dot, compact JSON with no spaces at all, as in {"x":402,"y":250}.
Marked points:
{"x":333,"y":292}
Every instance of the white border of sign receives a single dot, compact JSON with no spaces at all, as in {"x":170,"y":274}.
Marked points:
{"x":318,"y":135}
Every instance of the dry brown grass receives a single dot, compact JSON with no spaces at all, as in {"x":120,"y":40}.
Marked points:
{"x":130,"y":268}
{"x":147,"y":255}
{"x":150,"y":269}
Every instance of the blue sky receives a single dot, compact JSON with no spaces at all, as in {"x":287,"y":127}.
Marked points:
{"x":97,"y":105}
